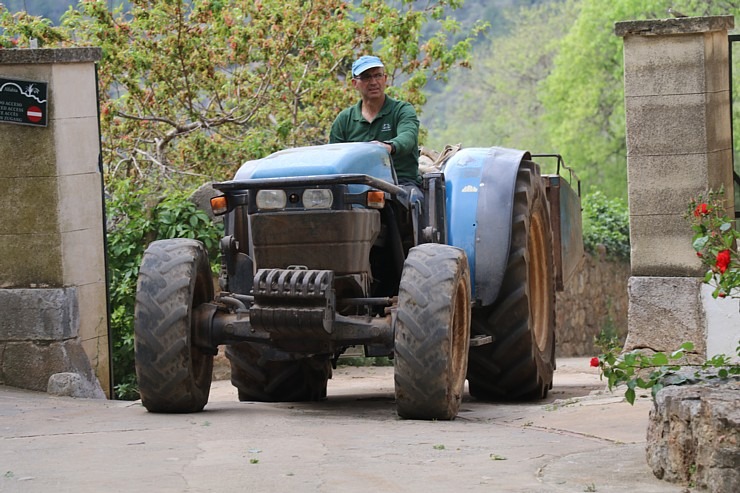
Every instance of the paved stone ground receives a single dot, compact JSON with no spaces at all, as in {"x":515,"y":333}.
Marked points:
{"x":579,"y":439}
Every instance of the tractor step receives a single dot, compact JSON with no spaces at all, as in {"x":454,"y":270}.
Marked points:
{"x":480,"y":340}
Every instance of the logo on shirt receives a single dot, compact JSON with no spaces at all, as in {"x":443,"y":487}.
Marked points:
{"x":386,"y":127}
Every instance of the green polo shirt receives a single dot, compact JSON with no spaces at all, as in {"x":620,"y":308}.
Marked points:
{"x":396,"y":122}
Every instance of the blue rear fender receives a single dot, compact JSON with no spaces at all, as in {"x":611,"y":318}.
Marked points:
{"x":480,"y":186}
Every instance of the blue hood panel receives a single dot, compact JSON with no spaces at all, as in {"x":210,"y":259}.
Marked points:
{"x":330,"y":159}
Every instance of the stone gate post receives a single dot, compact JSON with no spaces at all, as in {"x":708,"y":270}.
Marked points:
{"x":679,"y":143}
{"x":53,"y":301}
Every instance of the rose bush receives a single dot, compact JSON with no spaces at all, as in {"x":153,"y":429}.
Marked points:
{"x":715,"y":241}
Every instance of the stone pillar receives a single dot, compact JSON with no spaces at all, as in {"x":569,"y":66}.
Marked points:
{"x":679,"y":143}
{"x":53,"y":295}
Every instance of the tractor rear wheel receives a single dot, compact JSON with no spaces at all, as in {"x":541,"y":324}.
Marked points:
{"x":520,"y":362}
{"x":174,"y":375}
{"x":432,"y":332}
{"x":263,"y":379}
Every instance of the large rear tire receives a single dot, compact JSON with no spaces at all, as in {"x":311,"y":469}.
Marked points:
{"x":174,"y":375}
{"x":520,"y":362}
{"x":259,"y":377}
{"x":432,"y":332}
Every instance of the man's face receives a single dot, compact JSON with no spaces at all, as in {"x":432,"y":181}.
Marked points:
{"x":371,"y":83}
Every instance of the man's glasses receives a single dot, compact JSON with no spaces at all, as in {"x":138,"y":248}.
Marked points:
{"x":369,"y":77}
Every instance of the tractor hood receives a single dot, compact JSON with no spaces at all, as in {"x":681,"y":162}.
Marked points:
{"x":330,"y":159}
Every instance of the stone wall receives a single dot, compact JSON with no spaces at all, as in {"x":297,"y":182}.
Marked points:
{"x":594,"y":302}
{"x":679,"y":144}
{"x":694,"y":435}
{"x":53,"y":298}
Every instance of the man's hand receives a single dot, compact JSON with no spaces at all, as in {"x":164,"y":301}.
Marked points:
{"x":388,"y":147}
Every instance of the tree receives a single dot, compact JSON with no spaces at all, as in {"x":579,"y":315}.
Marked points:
{"x":194,"y":88}
{"x":584,"y":94}
{"x":498,"y":102}
{"x":49,"y":9}
{"x":555,"y":83}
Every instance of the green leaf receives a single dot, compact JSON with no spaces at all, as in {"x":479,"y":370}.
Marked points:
{"x":677,"y":354}
{"x":700,"y":243}
{"x":630,"y":358}
{"x":630,"y":395}
{"x":656,"y":388}
{"x":687,"y":346}
{"x":660,"y":359}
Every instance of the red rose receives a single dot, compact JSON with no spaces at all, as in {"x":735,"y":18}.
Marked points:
{"x":595,"y":361}
{"x":723,"y":260}
{"x":701,"y":210}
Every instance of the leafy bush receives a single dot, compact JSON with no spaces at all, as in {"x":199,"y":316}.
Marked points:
{"x":606,"y":222}
{"x":135,"y":219}
{"x":716,"y":243}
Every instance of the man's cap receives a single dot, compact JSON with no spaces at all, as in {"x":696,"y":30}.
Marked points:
{"x":365,"y":62}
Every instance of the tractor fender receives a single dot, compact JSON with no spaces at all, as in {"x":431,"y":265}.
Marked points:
{"x":480,"y":185}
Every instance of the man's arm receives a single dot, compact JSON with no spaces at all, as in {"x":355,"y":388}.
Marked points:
{"x":407,"y":130}
{"x":338,"y":129}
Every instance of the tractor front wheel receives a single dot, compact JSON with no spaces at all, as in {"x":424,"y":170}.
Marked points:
{"x":174,"y":279}
{"x":432,"y":332}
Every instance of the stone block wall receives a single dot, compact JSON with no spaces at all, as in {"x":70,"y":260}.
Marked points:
{"x":593,"y":303}
{"x":659,"y":322}
{"x":679,"y":141}
{"x":679,"y":144}
{"x":52,"y":229}
{"x":694,"y":436}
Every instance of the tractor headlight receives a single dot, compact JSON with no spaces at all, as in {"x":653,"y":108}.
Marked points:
{"x":317,"y":198}
{"x":271,"y":199}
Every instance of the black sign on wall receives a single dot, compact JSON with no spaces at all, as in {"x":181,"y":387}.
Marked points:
{"x":23,"y":102}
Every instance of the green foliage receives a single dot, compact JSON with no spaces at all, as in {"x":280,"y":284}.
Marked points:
{"x":498,"y":102}
{"x":17,"y":29}
{"x":606,"y":222}
{"x":134,"y":220}
{"x":190,"y":90}
{"x":49,"y":9}
{"x":553,"y":82}
{"x":583,"y":97}
{"x":637,"y":370}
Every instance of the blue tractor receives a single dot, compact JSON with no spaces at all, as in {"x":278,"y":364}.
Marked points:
{"x":323,"y":251}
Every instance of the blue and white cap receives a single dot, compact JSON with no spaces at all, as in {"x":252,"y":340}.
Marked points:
{"x":365,"y":62}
